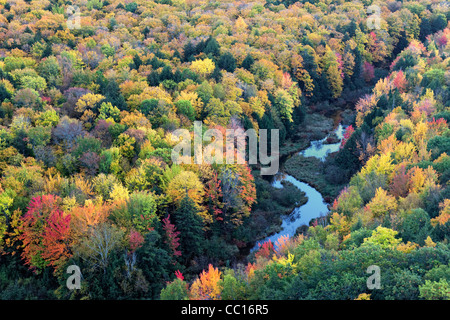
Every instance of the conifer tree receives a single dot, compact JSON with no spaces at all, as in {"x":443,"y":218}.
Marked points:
{"x":189,"y":223}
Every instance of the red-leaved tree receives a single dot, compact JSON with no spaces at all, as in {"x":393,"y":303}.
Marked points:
{"x":214,"y":194}
{"x":400,"y":81}
{"x":45,"y":233}
{"x":56,"y":239}
{"x":172,"y":235}
{"x":347,"y":134}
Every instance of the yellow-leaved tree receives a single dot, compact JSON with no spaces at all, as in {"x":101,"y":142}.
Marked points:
{"x":444,"y":214}
{"x":382,"y":204}
{"x":203,"y":67}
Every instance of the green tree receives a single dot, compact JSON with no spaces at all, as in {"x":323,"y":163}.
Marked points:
{"x":176,"y":290}
{"x":416,"y":226}
{"x":332,"y":68}
{"x":284,"y":104}
{"x":185,"y":107}
{"x":155,"y":262}
{"x":227,"y":62}
{"x":233,"y":287}
{"x":190,"y":225}
{"x":248,"y":62}
{"x":383,"y":237}
{"x":108,"y":111}
{"x":435,"y":290}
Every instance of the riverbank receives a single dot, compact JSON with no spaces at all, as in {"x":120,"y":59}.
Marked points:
{"x":311,"y":171}
{"x":283,"y":204}
{"x":310,"y":167}
{"x":314,"y":127}
{"x":273,"y":203}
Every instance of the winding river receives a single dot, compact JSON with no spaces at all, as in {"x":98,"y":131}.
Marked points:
{"x":315,"y":206}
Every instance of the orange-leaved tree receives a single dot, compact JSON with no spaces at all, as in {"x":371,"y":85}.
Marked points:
{"x":207,"y":286}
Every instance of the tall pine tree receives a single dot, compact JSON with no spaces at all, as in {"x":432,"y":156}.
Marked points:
{"x":190,"y":225}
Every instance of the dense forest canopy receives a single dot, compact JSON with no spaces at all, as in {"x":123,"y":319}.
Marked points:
{"x":91,"y":93}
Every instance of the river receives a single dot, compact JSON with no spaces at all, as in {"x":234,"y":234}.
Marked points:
{"x":315,"y":206}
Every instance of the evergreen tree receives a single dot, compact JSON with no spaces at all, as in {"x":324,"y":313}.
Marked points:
{"x":211,"y":48}
{"x":248,"y":62}
{"x":137,"y":61}
{"x":190,"y":225}
{"x":166,"y":74}
{"x":153,"y":79}
{"x":4,"y":94}
{"x":189,"y":52}
{"x":227,"y":62}
{"x":216,"y":75}
{"x":47,"y":50}
{"x":112,"y":94}
{"x":155,"y":263}
{"x":357,"y":69}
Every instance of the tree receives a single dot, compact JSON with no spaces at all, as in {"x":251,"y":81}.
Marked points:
{"x":126,"y":145}
{"x":27,"y":97}
{"x":113,"y":95}
{"x":383,"y":237}
{"x":108,"y":111}
{"x":382,"y":204}
{"x":227,"y":62}
{"x":98,"y":247}
{"x":333,"y":69}
{"x":6,"y":201}
{"x":416,"y":226}
{"x":368,"y":72}
{"x":56,"y":239}
{"x":284,"y":104}
{"x":233,"y":288}
{"x":87,"y":106}
{"x":172,"y":236}
{"x":207,"y":286}
{"x":142,"y":210}
{"x":203,"y":67}
{"x":238,"y":194}
{"x":88,"y":101}
{"x":155,"y":262}
{"x":189,"y":52}
{"x":45,"y":233}
{"x":247,"y":62}
{"x":302,"y":75}
{"x":435,"y":290}
{"x":176,"y":290}
{"x":400,"y":81}
{"x":211,"y":47}
{"x":348,"y":202}
{"x":347,"y":134}
{"x":444,"y":214}
{"x":185,"y":107}
{"x":400,"y":183}
{"x":438,"y":145}
{"x":185,"y":181}
{"x":87,"y":217}
{"x":190,"y":225}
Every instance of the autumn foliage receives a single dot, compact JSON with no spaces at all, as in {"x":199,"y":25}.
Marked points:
{"x":89,"y":115}
{"x":45,"y":233}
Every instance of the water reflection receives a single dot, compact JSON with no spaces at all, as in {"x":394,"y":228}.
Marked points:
{"x":321,"y":150}
{"x":315,"y":206}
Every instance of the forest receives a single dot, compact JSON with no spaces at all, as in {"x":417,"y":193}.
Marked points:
{"x":92,"y":91}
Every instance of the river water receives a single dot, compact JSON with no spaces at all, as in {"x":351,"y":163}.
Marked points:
{"x":315,"y":206}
